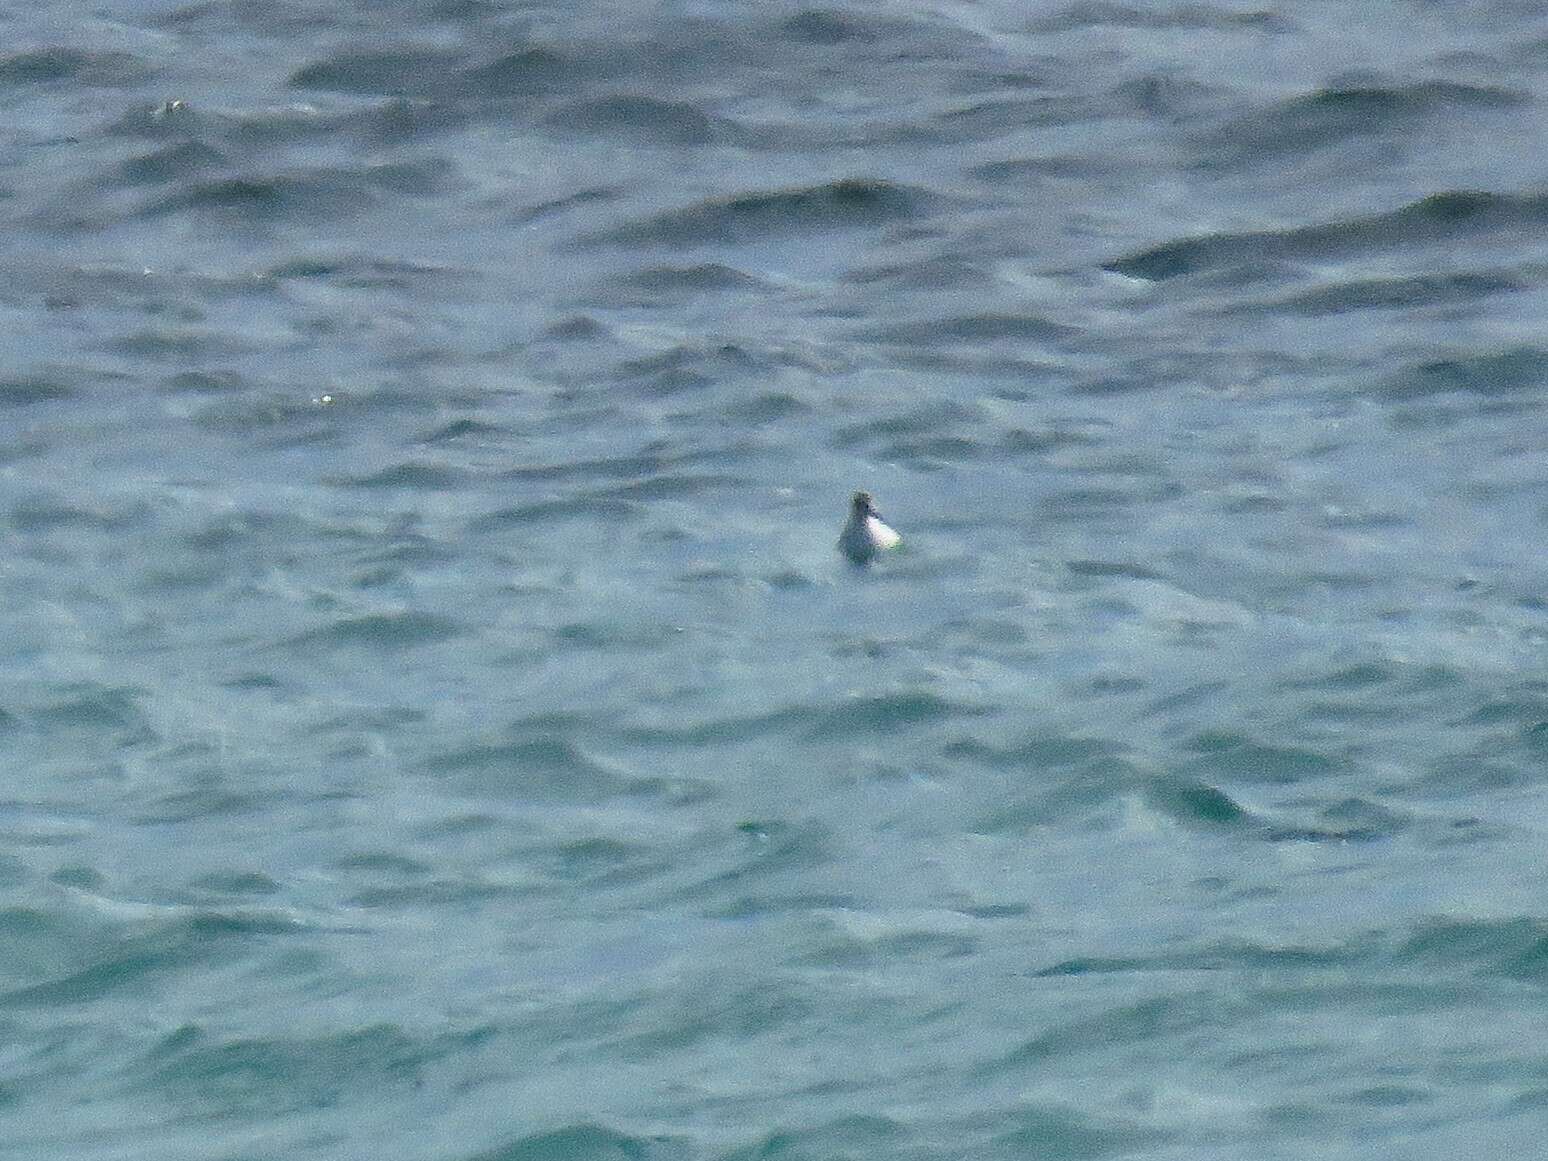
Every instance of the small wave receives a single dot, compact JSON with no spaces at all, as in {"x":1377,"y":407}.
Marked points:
{"x":365,"y":272}
{"x":706,"y":277}
{"x":386,"y":631}
{"x":1226,"y":754}
{"x":1359,"y":819}
{"x":829,"y":26}
{"x":581,"y":199}
{"x":1395,"y":294}
{"x":581,"y":507}
{"x":1106,"y":569}
{"x":887,"y":712}
{"x":1051,"y":788}
{"x":1052,"y":1129}
{"x":525,"y":73}
{"x":292,"y":419}
{"x":1439,"y":217}
{"x":424,"y":178}
{"x":607,"y":634}
{"x":1513,"y":948}
{"x":1360,"y":676}
{"x":549,"y":768}
{"x":1521,"y":369}
{"x":401,"y":120}
{"x":1163,"y":95}
{"x":920,"y":438}
{"x":850,"y":204}
{"x":233,"y":129}
{"x":870,"y":36}
{"x":1199,"y":17}
{"x":844,"y":948}
{"x":178,"y":344}
{"x":1491,"y":772}
{"x":391,"y":72}
{"x":578,"y":328}
{"x":1073,"y":505}
{"x":174,"y":163}
{"x":417,"y":475}
{"x":42,"y":512}
{"x":1194,"y":802}
{"x":206,"y":382}
{"x":721,"y":731}
{"x":771,"y":847}
{"x":670,"y":485}
{"x":1166,"y":1018}
{"x":579,"y":1142}
{"x":942,"y":272}
{"x":207,"y":801}
{"x":386,"y":863}
{"x":227,"y":533}
{"x":94,"y":707}
{"x":1524,"y":710}
{"x":691,"y":366}
{"x":767,"y":407}
{"x":28,"y":392}
{"x":987,"y":327}
{"x":931,"y":452}
{"x":1019,"y":170}
{"x":295,"y":1074}
{"x":921,"y":421}
{"x":624,"y":467}
{"x":304,"y":196}
{"x":1190,"y":801}
{"x":1009,"y":118}
{"x":459,"y":429}
{"x":638,"y":118}
{"x":86,"y":69}
{"x":1223,"y":956}
{"x":240,"y":884}
{"x":1330,"y":116}
{"x":673,"y":791}
{"x":1020,"y":441}
{"x":90,"y":983}
{"x":108,"y":948}
{"x":16,"y":451}
{"x":599,"y":861}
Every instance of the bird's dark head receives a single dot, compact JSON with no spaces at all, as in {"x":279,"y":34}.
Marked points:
{"x":863,"y":505}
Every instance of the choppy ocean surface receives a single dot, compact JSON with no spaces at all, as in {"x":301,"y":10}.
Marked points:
{"x":437,"y":725}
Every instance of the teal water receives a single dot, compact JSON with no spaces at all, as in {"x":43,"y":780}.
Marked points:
{"x":437,"y":724}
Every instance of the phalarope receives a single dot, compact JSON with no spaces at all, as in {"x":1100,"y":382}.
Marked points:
{"x":866,"y":534}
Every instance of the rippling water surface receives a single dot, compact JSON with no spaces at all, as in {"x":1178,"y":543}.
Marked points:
{"x":437,"y":724}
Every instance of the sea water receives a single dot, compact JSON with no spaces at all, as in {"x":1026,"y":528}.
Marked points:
{"x":436,"y":721}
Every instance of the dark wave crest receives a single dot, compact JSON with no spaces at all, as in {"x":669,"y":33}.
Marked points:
{"x":1332,"y":116}
{"x":850,"y":204}
{"x":1438,"y":218}
{"x":640,"y":118}
{"x":1494,"y":375}
{"x":77,"y":66}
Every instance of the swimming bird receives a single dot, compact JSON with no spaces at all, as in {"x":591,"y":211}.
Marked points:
{"x":866,"y":534}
